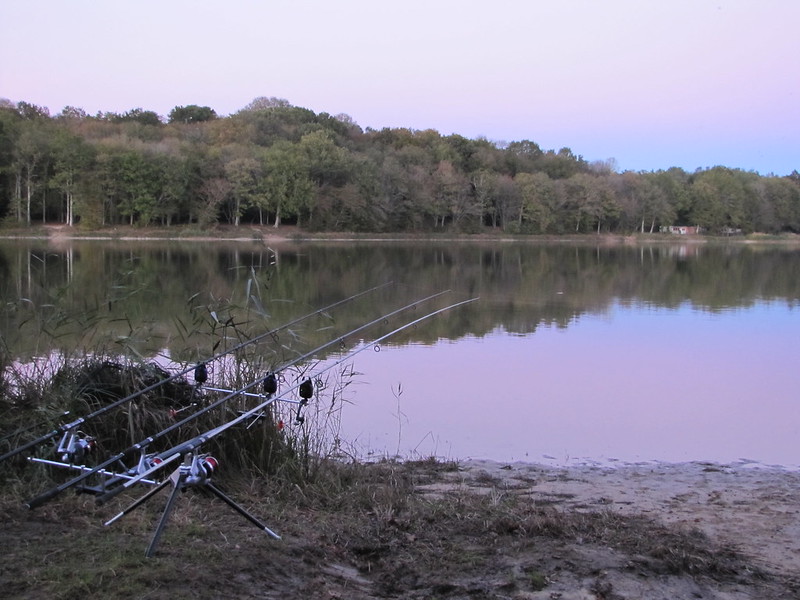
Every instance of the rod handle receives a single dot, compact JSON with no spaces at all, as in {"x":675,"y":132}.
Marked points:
{"x":41,"y":499}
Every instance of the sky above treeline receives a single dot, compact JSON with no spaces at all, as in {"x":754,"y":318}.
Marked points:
{"x":651,"y":84}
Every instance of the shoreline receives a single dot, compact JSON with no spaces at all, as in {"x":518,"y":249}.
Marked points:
{"x":291,"y":234}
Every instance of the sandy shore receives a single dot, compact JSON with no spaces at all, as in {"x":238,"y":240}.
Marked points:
{"x":751,"y":507}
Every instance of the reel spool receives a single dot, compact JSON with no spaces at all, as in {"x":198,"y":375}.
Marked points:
{"x":201,"y":469}
{"x":75,"y":446}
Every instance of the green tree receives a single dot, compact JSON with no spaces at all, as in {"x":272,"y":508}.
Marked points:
{"x":72,"y":114}
{"x":562,"y":164}
{"x":130,"y":180}
{"x":400,"y":191}
{"x":173,"y":189}
{"x":603,"y":204}
{"x":328,"y":164}
{"x":214,"y":193}
{"x":538,"y":200}
{"x":73,"y":159}
{"x":31,"y":150}
{"x":674,"y":184}
{"x":643,"y":202}
{"x":243,"y":174}
{"x":138,"y":115}
{"x":286,"y":187}
{"x":9,"y":132}
{"x":720,"y":197}
{"x":522,"y":157}
{"x":777,"y":205}
{"x":191,"y":114}
{"x":506,"y":200}
{"x":32,"y":112}
{"x":484,"y":184}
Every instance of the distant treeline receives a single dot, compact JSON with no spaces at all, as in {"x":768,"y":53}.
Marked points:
{"x":273,"y":163}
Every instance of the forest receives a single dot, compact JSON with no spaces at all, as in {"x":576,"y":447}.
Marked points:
{"x":273,"y":163}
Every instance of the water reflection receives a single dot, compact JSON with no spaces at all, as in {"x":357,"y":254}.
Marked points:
{"x":658,"y":352}
{"x":634,"y":384}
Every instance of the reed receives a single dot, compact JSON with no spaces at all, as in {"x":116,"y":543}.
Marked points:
{"x":51,"y":392}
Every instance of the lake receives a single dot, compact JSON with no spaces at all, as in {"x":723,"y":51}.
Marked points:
{"x":573,"y":353}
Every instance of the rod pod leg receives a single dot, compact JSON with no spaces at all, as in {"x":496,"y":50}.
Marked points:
{"x":137,"y":503}
{"x":177,"y":480}
{"x":230,"y":502}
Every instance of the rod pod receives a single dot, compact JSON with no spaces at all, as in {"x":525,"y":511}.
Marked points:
{"x":195,"y":471}
{"x":195,"y":443}
{"x":101,"y":411}
{"x":53,"y":492}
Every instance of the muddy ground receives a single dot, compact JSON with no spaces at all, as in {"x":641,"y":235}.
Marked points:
{"x":425,"y":530}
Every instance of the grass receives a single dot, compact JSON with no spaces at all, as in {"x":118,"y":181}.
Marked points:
{"x":368,"y":521}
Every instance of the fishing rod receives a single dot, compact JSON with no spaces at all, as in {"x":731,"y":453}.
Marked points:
{"x":196,"y":442}
{"x":200,"y":368}
{"x":196,"y":469}
{"x":201,"y":439}
{"x":28,"y":428}
{"x":270,"y":378}
{"x":140,"y":446}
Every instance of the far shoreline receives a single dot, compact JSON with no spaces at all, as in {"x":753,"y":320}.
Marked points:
{"x":268,"y":234}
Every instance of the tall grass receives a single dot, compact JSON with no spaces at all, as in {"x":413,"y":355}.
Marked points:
{"x":44,"y":393}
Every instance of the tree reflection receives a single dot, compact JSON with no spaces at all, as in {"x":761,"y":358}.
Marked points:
{"x":178,"y":297}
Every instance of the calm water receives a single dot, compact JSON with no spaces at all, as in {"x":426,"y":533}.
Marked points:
{"x":572,"y":353}
{"x":635,"y":383}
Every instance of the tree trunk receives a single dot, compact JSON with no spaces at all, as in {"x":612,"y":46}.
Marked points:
{"x":69,"y":218}
{"x":29,"y":197}
{"x":18,"y":195}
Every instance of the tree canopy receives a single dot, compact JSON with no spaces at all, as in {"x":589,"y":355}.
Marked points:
{"x":273,"y":163}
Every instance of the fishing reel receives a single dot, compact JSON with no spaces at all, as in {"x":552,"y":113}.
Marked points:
{"x":200,"y":470}
{"x":75,"y":446}
{"x":147,"y":462}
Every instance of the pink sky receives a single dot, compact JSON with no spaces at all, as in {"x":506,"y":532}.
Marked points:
{"x":650,"y":83}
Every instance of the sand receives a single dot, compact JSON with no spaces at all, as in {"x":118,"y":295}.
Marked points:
{"x":752,"y":507}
